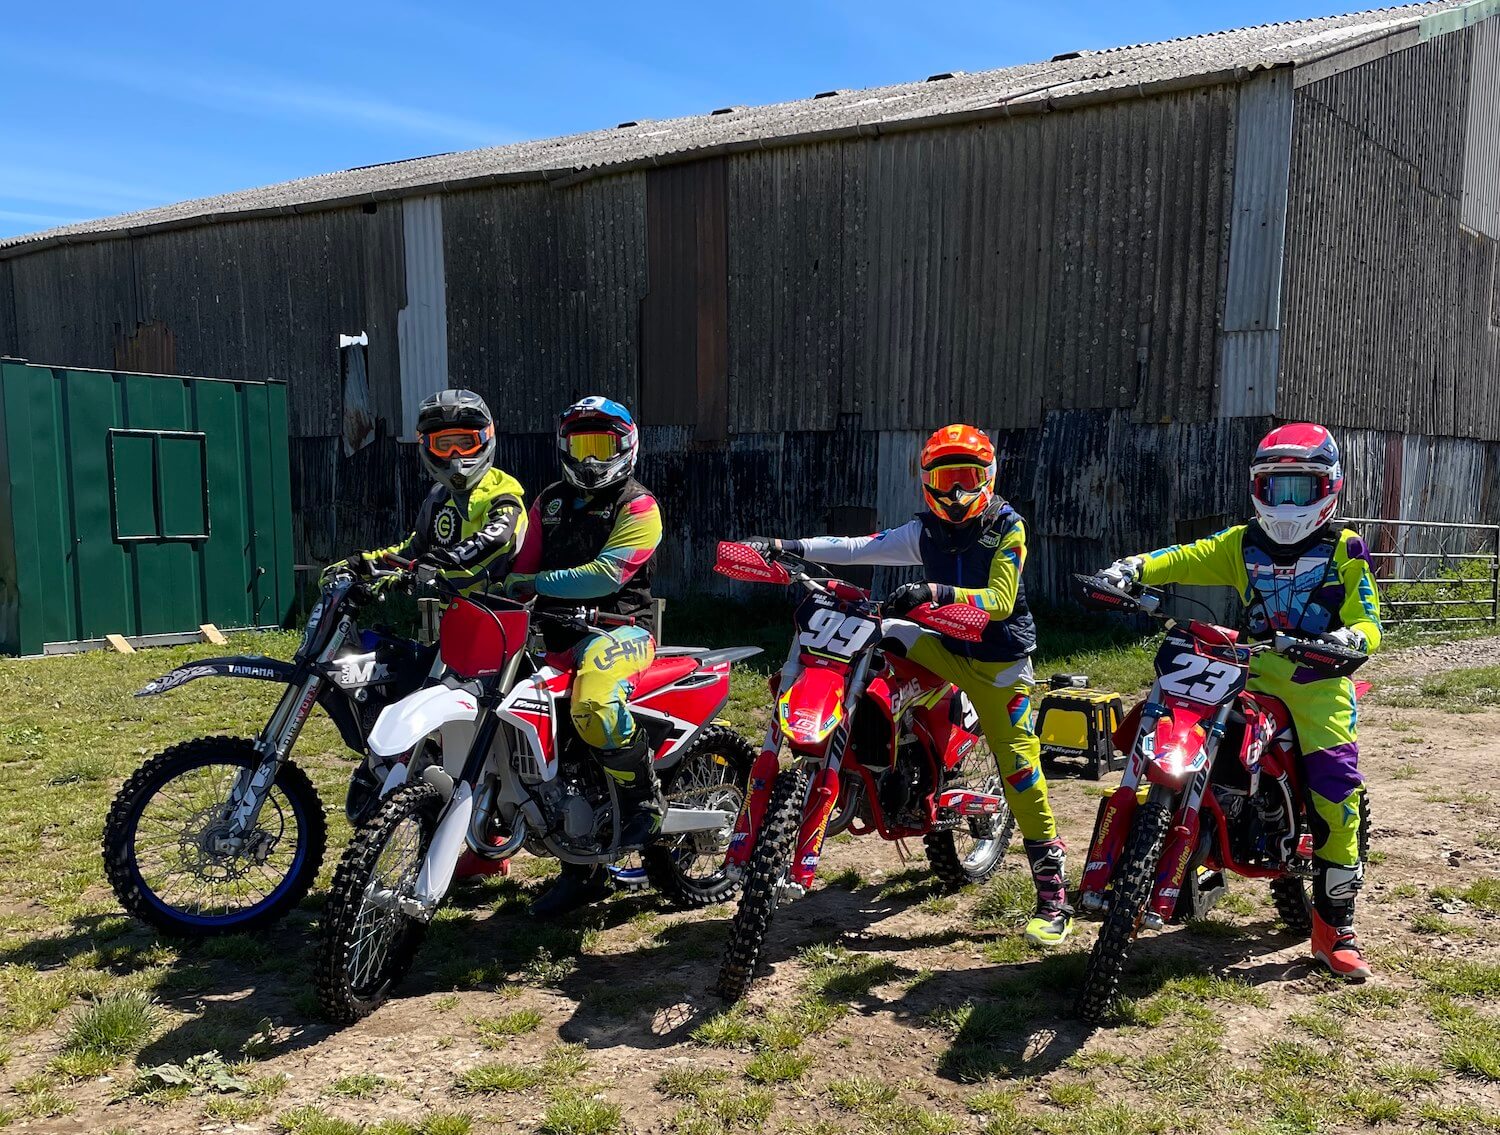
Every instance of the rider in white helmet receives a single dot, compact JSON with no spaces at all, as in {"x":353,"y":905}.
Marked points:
{"x":1297,"y":569}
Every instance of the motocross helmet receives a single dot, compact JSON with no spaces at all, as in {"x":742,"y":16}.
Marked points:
{"x":599,"y":442}
{"x":1295,"y":481}
{"x":457,"y":435}
{"x":958,"y":473}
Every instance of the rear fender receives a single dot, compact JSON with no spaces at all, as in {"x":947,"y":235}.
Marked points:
{"x":253,"y":666}
{"x":404,"y":723}
{"x":812,"y":708}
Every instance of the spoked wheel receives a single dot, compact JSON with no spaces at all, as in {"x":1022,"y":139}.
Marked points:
{"x":174,"y":860}
{"x":1134,"y":880}
{"x":712,"y":775}
{"x":368,"y":940}
{"x":970,"y":851}
{"x":765,"y":879}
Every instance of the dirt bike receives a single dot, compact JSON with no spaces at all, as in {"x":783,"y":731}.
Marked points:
{"x":514,"y":775}
{"x":920,"y":767}
{"x":226,"y":834}
{"x":1191,"y":808}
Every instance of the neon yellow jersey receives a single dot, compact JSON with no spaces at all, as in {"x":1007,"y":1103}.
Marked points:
{"x":1330,"y":585}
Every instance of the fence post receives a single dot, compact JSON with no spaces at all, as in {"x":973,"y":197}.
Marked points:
{"x":1495,"y":581}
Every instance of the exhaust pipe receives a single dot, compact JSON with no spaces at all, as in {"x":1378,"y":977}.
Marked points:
{"x":474,"y":836}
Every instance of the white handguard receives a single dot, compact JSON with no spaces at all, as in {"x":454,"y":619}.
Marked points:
{"x":1346,"y":637}
{"x":1124,"y":574}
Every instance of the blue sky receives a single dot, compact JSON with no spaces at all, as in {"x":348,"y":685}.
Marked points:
{"x":108,"y":108}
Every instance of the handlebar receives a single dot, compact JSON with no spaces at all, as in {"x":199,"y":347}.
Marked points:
{"x":1332,"y":659}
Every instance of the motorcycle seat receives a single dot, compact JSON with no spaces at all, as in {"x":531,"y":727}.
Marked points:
{"x":663,"y":672}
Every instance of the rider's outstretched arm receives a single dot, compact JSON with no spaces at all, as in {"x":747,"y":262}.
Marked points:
{"x":894,"y":547}
{"x":1214,"y":561}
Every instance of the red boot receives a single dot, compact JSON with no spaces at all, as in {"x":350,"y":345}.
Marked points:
{"x":1338,"y":949}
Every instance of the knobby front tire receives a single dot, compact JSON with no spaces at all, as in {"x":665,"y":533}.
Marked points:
{"x":769,"y":864}
{"x":1131,"y":893}
{"x":178,"y":794}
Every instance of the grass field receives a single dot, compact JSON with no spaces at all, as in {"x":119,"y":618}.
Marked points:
{"x":891,"y":1008}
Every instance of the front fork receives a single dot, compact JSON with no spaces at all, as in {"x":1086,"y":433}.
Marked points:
{"x":253,"y":785}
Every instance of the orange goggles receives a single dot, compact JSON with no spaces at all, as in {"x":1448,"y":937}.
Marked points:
{"x":601,"y":446}
{"x":457,"y":442}
{"x":948,"y":480}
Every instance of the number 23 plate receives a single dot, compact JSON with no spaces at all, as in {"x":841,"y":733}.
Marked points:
{"x":1185,"y":673}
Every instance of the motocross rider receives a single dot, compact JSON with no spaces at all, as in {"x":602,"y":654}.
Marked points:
{"x":590,"y":542}
{"x":1298,"y":570}
{"x":971,"y":546}
{"x":471,"y":522}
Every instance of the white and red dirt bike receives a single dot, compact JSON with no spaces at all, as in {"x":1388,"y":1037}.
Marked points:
{"x":515,"y":776}
{"x":919,"y":767}
{"x":1211,"y":787}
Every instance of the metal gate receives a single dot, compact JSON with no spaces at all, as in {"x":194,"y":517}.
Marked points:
{"x":1433,"y":572}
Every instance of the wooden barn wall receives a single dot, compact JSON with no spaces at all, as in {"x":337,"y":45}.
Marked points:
{"x":994,"y":271}
{"x":247,"y":299}
{"x":544,"y":294}
{"x":1389,"y":315}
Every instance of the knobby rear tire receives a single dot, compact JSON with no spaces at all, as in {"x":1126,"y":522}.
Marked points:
{"x":950,"y":867}
{"x":341,"y":1001}
{"x":664,"y":869}
{"x":1131,"y":893}
{"x":121,"y":864}
{"x":769,"y":864}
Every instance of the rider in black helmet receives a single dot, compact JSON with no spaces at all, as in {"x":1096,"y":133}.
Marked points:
{"x":471,"y":523}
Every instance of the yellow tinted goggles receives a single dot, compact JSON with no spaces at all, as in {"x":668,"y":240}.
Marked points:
{"x":601,"y":446}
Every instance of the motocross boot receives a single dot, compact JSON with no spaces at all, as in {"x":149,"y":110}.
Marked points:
{"x":1053,"y":921}
{"x":1333,"y":940}
{"x":578,"y":885}
{"x":641,"y":803}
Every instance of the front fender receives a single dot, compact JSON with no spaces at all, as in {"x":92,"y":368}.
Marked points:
{"x":813,"y":707}
{"x":254,"y":666}
{"x":402,"y":724}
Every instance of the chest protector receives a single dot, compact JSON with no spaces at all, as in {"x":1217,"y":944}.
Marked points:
{"x":1292,"y":589}
{"x":575,"y":528}
{"x":963,"y":557}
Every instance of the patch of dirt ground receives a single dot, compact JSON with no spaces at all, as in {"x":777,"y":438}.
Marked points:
{"x":945,"y":1020}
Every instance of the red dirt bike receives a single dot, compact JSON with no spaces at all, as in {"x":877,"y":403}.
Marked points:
{"x":513,"y":775}
{"x":919,"y":768}
{"x":1191,"y":807}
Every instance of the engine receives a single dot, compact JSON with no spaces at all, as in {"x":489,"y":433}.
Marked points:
{"x":576,"y":805}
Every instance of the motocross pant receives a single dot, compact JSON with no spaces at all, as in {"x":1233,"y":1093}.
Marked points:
{"x":606,"y":667}
{"x":1325,"y":718}
{"x":1001,"y":694}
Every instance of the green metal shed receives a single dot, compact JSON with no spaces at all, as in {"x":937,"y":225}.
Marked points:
{"x":138,"y":504}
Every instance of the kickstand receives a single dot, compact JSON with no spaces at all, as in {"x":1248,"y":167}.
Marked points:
{"x":901,"y":852}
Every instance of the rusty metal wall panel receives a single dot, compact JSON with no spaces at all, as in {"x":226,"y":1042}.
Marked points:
{"x":1481,"y":203}
{"x":1067,"y":260}
{"x":422,"y":324}
{"x":795,"y":272}
{"x":684,"y":319}
{"x":1375,"y":313}
{"x":544,"y":290}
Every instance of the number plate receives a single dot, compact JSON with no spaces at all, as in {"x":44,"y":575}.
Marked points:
{"x":826,"y":629}
{"x":1185,"y":673}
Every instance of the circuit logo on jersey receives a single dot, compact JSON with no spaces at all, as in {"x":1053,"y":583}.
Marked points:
{"x":445,"y":527}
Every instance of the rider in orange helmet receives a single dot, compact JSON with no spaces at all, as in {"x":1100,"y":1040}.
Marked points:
{"x":971,"y":547}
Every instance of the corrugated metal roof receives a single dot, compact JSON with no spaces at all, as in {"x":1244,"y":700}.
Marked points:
{"x":1085,"y":75}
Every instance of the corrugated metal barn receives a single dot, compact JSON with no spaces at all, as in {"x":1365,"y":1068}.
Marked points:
{"x":1125,"y":263}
